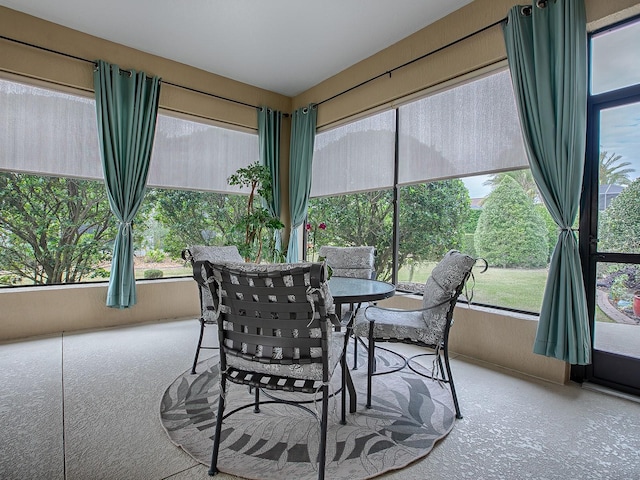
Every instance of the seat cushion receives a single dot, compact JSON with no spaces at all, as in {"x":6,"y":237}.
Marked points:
{"x":309,"y":371}
{"x":227,"y":253}
{"x":393,"y":324}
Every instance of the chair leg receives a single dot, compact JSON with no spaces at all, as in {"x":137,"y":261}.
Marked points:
{"x":450,"y":378}
{"x":256,"y":404}
{"x":370,"y":364}
{"x":355,"y":352}
{"x":322,"y":453}
{"x":343,"y":367}
{"x":195,"y":360}
{"x":216,"y":439}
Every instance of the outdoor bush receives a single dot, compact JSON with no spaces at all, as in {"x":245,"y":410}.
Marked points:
{"x":620,"y":223}
{"x":153,"y":273}
{"x":510,"y":232}
{"x":155,"y":256}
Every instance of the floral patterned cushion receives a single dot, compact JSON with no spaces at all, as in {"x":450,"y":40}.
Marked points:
{"x":392,"y":324}
{"x":285,"y":267}
{"x":356,"y":262}
{"x":310,"y":371}
{"x":213,"y":254}
{"x":441,"y":287}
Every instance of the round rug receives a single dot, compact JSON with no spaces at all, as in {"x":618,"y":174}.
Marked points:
{"x":408,"y":415}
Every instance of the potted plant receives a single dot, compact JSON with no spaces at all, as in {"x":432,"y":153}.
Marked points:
{"x":257,"y":219}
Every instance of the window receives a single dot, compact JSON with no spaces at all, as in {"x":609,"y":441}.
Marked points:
{"x":351,"y":191}
{"x":463,"y":183}
{"x":55,"y":222}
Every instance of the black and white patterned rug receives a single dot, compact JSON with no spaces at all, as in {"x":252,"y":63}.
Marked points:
{"x":409,"y":415}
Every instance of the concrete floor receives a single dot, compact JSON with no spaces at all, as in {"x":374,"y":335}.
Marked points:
{"x":86,"y":406}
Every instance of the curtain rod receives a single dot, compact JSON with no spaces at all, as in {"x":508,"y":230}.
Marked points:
{"x":389,"y":72}
{"x":95,"y":64}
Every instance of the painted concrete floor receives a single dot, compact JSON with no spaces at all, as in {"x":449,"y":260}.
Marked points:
{"x":85,"y":406}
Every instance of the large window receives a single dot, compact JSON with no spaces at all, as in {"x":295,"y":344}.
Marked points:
{"x":462,"y":183}
{"x":55,"y":222}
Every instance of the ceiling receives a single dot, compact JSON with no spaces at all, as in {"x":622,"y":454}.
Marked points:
{"x":285,"y":46}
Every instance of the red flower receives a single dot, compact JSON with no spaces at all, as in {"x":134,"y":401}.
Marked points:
{"x":308,"y":227}
{"x":322,"y":226}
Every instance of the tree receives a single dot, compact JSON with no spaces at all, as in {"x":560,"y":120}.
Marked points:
{"x":257,"y":220}
{"x":53,"y":230}
{"x":523,"y":177}
{"x":196,"y":218}
{"x":611,"y":171}
{"x":510,"y":232}
{"x":432,"y":218}
{"x":620,"y":223}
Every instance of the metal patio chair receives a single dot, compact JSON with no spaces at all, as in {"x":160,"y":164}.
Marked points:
{"x":427,"y":327}
{"x":275,"y":327}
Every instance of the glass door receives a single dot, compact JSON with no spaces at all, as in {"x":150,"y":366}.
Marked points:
{"x":610,"y":214}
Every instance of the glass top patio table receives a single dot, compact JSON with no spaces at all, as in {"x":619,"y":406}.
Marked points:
{"x":347,"y":290}
{"x":358,"y":290}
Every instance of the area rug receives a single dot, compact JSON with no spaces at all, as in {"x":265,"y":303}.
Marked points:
{"x":409,"y":415}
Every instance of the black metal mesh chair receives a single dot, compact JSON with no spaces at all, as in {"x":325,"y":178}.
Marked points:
{"x":275,"y":326}
{"x":426,"y":327}
{"x":197,"y":253}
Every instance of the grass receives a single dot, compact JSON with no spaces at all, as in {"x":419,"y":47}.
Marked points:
{"x":505,"y":287}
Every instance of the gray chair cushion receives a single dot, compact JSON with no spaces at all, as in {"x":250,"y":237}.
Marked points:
{"x":392,"y":324}
{"x":356,"y":262}
{"x":227,"y":253}
{"x":441,"y":287}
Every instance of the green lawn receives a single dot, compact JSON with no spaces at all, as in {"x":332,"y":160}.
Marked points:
{"x":505,"y":287}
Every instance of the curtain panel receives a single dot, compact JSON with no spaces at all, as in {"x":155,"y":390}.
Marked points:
{"x":269,"y":128}
{"x":303,"y":133}
{"x":126,"y":107}
{"x":547,"y":54}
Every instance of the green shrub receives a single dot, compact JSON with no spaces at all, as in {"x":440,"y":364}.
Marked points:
{"x":510,"y":233}
{"x":155,"y":256}
{"x":620,"y":223}
{"x":153,"y":273}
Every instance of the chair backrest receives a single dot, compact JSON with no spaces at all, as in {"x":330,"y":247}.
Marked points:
{"x":198,"y":253}
{"x":441,"y":292}
{"x":278,"y":314}
{"x":357,"y":262}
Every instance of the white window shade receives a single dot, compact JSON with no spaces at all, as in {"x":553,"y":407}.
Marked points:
{"x":51,"y":133}
{"x":197,"y":156}
{"x":470,"y":129}
{"x":48,"y":132}
{"x":355,"y":157}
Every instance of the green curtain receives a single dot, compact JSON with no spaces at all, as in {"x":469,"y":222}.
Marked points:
{"x":547,"y":55}
{"x":303,"y":135}
{"x":127,"y":107}
{"x":269,"y":126}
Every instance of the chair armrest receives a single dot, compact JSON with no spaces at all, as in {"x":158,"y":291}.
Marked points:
{"x":424,"y":309}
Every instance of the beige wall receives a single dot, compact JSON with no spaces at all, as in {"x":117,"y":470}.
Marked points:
{"x":495,"y":337}
{"x":476,"y":52}
{"x":31,"y":311}
{"x":38,"y":64}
